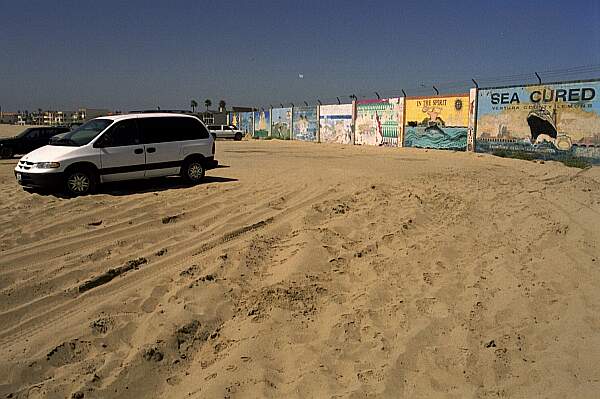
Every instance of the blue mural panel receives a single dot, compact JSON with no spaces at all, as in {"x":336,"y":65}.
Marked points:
{"x":305,"y":123}
{"x":246,"y":123}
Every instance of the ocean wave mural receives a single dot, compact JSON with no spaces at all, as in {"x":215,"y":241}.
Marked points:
{"x":439,"y":122}
{"x":550,"y":121}
{"x":281,"y":123}
{"x":377,"y":121}
{"x":447,"y":138}
{"x":335,"y":123}
{"x":305,"y":123}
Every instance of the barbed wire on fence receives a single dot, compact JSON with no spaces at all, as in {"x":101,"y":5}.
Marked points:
{"x":426,"y":87}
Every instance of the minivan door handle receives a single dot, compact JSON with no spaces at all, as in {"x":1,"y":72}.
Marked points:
{"x":150,"y":149}
{"x":138,"y":151}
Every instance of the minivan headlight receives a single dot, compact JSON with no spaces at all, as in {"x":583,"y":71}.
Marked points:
{"x":47,"y":165}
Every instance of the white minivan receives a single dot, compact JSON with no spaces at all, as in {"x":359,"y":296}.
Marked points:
{"x":121,"y":147}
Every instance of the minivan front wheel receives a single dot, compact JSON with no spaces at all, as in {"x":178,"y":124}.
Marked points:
{"x":193,"y":171}
{"x":80,"y":182}
{"x":238,"y":137}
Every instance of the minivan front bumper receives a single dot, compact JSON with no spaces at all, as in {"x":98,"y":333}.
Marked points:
{"x":40,"y":180}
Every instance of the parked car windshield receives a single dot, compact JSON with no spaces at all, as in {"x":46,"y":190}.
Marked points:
{"x":24,"y":133}
{"x":83,"y":134}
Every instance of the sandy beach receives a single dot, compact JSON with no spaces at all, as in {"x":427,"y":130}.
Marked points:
{"x":301,"y":270}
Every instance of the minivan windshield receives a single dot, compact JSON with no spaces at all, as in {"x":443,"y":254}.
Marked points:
{"x":83,"y":134}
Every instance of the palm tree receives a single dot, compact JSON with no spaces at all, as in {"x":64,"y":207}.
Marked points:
{"x":208,"y":103}
{"x":222,"y":105}
{"x":193,"y":104}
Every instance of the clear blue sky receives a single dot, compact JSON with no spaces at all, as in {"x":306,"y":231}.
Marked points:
{"x":138,"y":54}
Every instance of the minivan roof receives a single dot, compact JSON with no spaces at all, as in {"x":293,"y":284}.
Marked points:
{"x":145,"y":115}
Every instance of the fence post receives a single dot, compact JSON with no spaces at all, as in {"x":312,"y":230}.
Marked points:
{"x":318,"y":123}
{"x":353,"y":131}
{"x":292,"y":123}
{"x":401,"y":110}
{"x":472,"y":130}
{"x":271,"y":121}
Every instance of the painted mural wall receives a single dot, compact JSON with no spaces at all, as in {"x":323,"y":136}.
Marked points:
{"x":551,"y":120}
{"x":335,"y":123}
{"x":440,"y":122}
{"x":378,"y":121}
{"x":281,"y":123}
{"x":246,"y":122}
{"x":233,"y":118}
{"x":262,"y":124}
{"x":305,"y":123}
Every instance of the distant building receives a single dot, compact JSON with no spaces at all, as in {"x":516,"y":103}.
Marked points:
{"x":9,"y":117}
{"x":91,"y":113}
{"x":53,"y":118}
{"x":214,"y":117}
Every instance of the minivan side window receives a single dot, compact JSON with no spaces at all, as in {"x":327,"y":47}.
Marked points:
{"x":165,"y":129}
{"x":200,"y":131}
{"x":190,"y":129}
{"x":154,"y":130}
{"x":122,"y":134}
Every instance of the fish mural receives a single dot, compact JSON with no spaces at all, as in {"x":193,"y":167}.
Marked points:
{"x":438,"y":122}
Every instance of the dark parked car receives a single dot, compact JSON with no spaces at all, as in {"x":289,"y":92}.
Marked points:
{"x":29,"y":140}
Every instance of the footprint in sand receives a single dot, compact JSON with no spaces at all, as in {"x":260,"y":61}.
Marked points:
{"x":150,"y":304}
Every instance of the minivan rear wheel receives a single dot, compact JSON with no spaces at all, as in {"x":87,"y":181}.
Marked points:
{"x":80,"y":182}
{"x":193,"y":171}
